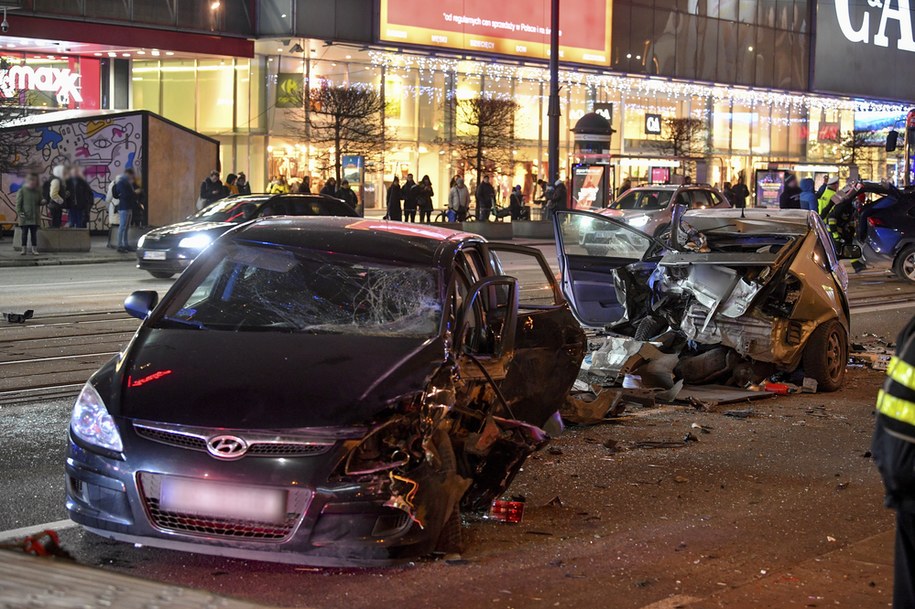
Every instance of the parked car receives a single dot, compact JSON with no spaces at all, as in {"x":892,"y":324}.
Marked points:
{"x":885,"y":228}
{"x":648,"y":208}
{"x":170,"y":249}
{"x":765,"y":288}
{"x":322,"y":391}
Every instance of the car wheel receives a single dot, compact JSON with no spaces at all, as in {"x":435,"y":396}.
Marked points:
{"x":161,"y":274}
{"x":904,"y":264}
{"x":826,"y":355}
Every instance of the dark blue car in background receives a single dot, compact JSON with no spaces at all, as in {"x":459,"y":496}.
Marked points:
{"x":886,"y":229}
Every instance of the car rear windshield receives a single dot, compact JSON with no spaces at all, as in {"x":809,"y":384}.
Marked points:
{"x":230,"y":210}
{"x":255,"y":287}
{"x":646,"y":199}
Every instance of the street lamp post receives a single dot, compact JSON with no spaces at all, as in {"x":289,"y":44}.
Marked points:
{"x":553,"y":107}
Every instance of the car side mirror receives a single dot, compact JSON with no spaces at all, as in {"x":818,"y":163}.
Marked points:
{"x":488,"y":318}
{"x":850,"y":252}
{"x":141,"y":303}
{"x":892,"y":141}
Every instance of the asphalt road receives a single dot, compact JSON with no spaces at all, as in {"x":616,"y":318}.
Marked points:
{"x":78,"y":325}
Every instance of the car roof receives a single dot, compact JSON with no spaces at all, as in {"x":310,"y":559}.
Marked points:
{"x":672,"y":187}
{"x":368,"y":237}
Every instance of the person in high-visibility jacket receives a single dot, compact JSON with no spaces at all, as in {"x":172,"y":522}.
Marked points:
{"x":832,"y":185}
{"x":894,"y":451}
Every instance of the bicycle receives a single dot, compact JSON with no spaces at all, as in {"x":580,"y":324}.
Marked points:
{"x":442,"y":217}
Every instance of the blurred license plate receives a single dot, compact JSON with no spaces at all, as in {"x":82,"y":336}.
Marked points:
{"x":148,"y":255}
{"x":221,"y":500}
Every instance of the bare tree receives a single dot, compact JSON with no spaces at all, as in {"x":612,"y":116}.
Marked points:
{"x":856,"y":145}
{"x":345,"y":118}
{"x":14,"y":141}
{"x":491,"y":134}
{"x":682,"y":138}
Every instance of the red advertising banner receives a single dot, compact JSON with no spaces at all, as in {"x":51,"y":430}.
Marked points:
{"x":509,"y":27}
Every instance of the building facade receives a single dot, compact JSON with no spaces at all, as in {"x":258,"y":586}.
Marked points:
{"x":755,"y":75}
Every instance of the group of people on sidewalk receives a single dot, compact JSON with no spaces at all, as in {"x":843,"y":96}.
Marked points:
{"x":67,"y":190}
{"x":213,"y":189}
{"x":404,"y":200}
{"x":415,"y":197}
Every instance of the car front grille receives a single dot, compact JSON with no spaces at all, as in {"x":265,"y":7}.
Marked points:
{"x":150,"y":487}
{"x":258,"y":445}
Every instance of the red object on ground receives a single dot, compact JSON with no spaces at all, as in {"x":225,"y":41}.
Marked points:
{"x":777,"y":388}
{"x":507,"y":511}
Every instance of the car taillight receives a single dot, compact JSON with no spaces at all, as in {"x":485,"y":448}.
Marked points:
{"x":875,"y":221}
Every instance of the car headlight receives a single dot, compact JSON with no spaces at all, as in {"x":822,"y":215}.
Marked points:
{"x":639,"y":221}
{"x":195,"y":242}
{"x":141,"y":241}
{"x":91,"y":422}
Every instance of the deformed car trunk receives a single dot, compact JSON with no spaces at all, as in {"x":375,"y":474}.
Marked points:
{"x":767,"y":286}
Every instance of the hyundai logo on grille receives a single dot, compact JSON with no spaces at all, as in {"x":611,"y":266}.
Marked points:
{"x":227,"y":447}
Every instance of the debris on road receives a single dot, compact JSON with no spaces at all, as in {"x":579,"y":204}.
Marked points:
{"x":19,"y":318}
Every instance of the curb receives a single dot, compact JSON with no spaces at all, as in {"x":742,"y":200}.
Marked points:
{"x":60,"y":261}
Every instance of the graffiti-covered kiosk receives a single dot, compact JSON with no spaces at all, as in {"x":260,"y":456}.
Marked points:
{"x":170,"y":160}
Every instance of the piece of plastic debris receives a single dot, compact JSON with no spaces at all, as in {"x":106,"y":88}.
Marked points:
{"x":842,"y":486}
{"x":689,"y":437}
{"x":809,"y":385}
{"x":701,"y":428}
{"x":830,"y":538}
{"x":19,"y":318}
{"x":508,"y":511}
{"x":744,"y":413}
{"x":680,"y":479}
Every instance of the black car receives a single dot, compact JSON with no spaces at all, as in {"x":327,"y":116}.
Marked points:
{"x":170,"y":249}
{"x":323,"y":391}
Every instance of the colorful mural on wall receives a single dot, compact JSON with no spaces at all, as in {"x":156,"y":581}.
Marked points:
{"x":103,"y":147}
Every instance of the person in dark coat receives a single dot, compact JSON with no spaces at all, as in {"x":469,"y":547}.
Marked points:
{"x":305,"y":186}
{"x":516,"y":203}
{"x":212,"y":189}
{"x":79,"y":201}
{"x":241,"y":182}
{"x":486,"y":199}
{"x":740,"y":193}
{"x":395,"y":196}
{"x":893,"y":447}
{"x":791,"y":194}
{"x":128,"y":194}
{"x":424,"y":199}
{"x":346,"y":193}
{"x":558,"y":200}
{"x":410,"y":191}
{"x":330,"y":188}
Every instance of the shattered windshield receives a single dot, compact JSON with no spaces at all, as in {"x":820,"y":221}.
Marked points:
{"x":646,"y":199}
{"x":250,"y":287}
{"x":229,"y":210}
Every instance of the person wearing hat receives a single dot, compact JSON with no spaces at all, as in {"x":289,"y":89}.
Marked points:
{"x":832,"y":185}
{"x":241,"y":182}
{"x":558,"y":198}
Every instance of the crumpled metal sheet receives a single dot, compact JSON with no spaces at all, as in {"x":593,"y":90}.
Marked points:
{"x":746,"y":334}
{"x":613,"y":357}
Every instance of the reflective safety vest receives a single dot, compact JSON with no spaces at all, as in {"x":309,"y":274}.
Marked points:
{"x":824,"y":200}
{"x":895,"y":400}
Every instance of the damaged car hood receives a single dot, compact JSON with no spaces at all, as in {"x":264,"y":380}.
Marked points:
{"x":205,"y":378}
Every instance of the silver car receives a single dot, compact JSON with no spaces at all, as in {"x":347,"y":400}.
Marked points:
{"x":648,"y":208}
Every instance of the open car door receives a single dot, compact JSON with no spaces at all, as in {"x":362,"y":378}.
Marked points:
{"x":600,"y":259}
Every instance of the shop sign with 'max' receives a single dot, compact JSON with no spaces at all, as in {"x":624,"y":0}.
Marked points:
{"x":62,"y":82}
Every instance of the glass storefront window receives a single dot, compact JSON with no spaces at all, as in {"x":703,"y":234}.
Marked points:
{"x":179,"y":90}
{"x":216,"y":95}
{"x":145,"y":87}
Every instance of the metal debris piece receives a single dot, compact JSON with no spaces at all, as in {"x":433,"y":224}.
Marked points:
{"x":19,"y":318}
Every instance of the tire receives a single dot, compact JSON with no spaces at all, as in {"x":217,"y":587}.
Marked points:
{"x":826,"y":355}
{"x":904,"y":264}
{"x":440,"y":218}
{"x":161,"y":274}
{"x":649,"y":327}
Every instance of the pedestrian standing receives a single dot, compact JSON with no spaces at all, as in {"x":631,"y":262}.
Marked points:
{"x":626,"y":185}
{"x":305,"y":186}
{"x":728,"y":193}
{"x":808,"y":198}
{"x":558,"y":200}
{"x":459,"y":199}
{"x":211,"y":190}
{"x":346,"y":193}
{"x":80,"y":199}
{"x":424,"y":199}
{"x":790,"y":197}
{"x":127,"y":193}
{"x":410,"y":192}
{"x":486,"y":199}
{"x":57,"y":194}
{"x":516,"y":203}
{"x":893,"y":447}
{"x":28,"y":212}
{"x":330,"y":188}
{"x":740,"y":193}
{"x":395,"y":196}
{"x":244,"y":187}
{"x":278,"y":186}
{"x":231,"y":185}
